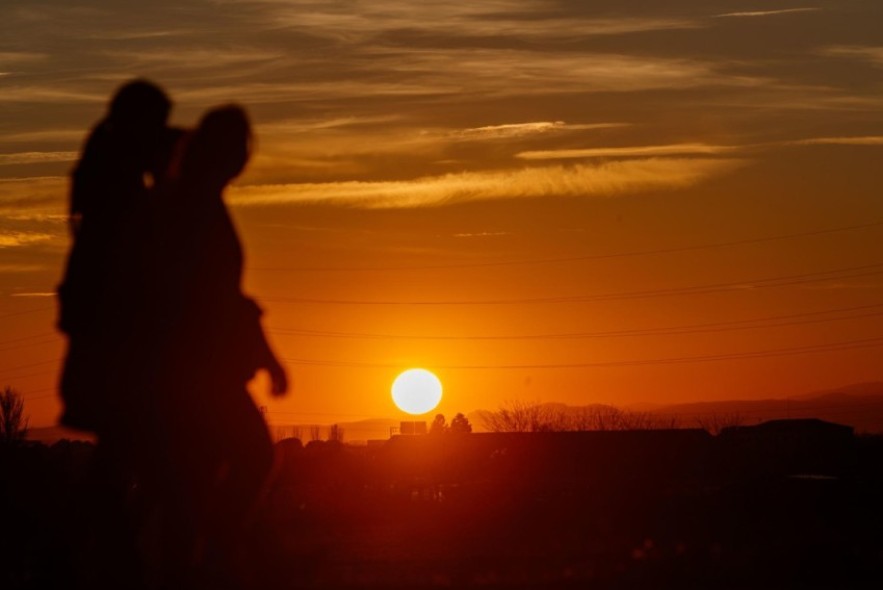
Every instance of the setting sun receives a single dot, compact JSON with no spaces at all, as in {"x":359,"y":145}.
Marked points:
{"x":416,"y":391}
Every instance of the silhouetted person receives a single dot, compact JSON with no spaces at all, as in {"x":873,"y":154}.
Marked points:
{"x":125,"y":154}
{"x":206,"y":342}
{"x":127,"y":150}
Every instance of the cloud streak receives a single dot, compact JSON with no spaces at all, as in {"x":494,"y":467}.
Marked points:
{"x":580,"y":181}
{"x":515,"y":130}
{"x":15,"y":239}
{"x":679,"y":149}
{"x":37,"y":158}
{"x":872,"y":54}
{"x":869,"y":140}
{"x":757,"y":13}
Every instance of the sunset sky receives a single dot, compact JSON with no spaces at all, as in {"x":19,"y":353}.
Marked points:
{"x":538,"y":200}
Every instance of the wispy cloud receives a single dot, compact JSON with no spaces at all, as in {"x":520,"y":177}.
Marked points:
{"x":755,"y":13}
{"x":857,"y":140}
{"x":679,"y":149}
{"x":200,"y":58}
{"x":14,"y":239}
{"x":872,"y":54}
{"x":36,"y":198}
{"x":45,"y":93}
{"x":496,"y":18}
{"x":506,"y":72}
{"x":17,"y":57}
{"x":37,"y":158}
{"x":514,"y":130}
{"x":483,"y":234}
{"x":20,"y":268}
{"x":292,"y":126}
{"x":48,"y":135}
{"x":603,"y":180}
{"x":37,"y":294}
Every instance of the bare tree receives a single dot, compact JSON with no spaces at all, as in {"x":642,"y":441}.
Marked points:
{"x":335,"y":433}
{"x":315,"y":433}
{"x":13,"y":423}
{"x":533,"y":417}
{"x":519,"y":416}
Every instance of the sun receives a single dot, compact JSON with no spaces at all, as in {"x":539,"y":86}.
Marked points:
{"x":416,"y":391}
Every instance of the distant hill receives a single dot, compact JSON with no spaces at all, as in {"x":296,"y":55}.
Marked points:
{"x":859,"y":406}
{"x":52,"y":434}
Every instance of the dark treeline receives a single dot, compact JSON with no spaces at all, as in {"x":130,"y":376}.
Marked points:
{"x":779,"y":505}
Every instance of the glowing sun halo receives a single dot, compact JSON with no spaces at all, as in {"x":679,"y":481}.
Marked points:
{"x":416,"y":391}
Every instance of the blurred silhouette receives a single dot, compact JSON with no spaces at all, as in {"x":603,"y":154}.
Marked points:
{"x":124,"y":155}
{"x":125,"y":152}
{"x":202,"y":342}
{"x":162,"y":344}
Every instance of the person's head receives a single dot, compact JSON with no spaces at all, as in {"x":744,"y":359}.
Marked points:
{"x":220,"y":146}
{"x":139,"y":106}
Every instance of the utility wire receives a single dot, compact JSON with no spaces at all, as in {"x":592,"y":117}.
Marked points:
{"x":770,"y":353}
{"x":780,"y":281}
{"x":757,"y":323}
{"x":672,"y":250}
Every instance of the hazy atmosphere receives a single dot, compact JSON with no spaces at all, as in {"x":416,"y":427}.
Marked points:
{"x":544,"y":201}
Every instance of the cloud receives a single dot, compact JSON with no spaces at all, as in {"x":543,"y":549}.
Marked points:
{"x":484,"y":234}
{"x":37,"y":158}
{"x":856,"y":140}
{"x":756,"y":13}
{"x":872,"y":54}
{"x":52,"y":135}
{"x":602,"y":180}
{"x":33,"y":199}
{"x":14,"y":239}
{"x":678,"y":149}
{"x":48,"y":94}
{"x":19,"y":57}
{"x":508,"y":72}
{"x":33,"y":294}
{"x":21,"y":268}
{"x":199,"y":58}
{"x":514,"y":130}
{"x":369,"y":19}
{"x":293,"y":126}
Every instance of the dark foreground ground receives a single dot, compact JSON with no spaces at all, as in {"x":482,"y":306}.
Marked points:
{"x":453,"y":513}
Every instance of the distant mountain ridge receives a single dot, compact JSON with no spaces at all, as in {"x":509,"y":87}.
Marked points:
{"x":858,"y":405}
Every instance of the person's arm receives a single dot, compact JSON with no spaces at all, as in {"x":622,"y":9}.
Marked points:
{"x":266,"y":359}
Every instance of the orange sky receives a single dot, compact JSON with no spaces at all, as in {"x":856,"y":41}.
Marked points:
{"x":538,"y":200}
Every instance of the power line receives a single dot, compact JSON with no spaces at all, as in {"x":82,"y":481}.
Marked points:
{"x":44,"y":340}
{"x":27,"y":311}
{"x":758,"y":323}
{"x":780,"y":281}
{"x":28,"y":366}
{"x":770,"y":353}
{"x":634,"y":253}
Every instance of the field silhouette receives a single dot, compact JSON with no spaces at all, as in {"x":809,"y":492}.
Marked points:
{"x":783,"y":504}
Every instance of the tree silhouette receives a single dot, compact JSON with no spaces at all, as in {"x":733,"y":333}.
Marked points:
{"x":13,"y":424}
{"x":438,"y":425}
{"x":520,"y":416}
{"x":460,"y":423}
{"x":335,"y":432}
